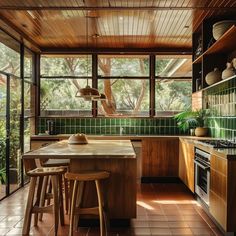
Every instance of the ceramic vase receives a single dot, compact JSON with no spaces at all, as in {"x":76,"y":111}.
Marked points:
{"x":229,"y":71}
{"x":213,"y":76}
{"x":201,"y":131}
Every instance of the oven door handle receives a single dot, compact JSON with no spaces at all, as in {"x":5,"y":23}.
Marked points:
{"x":204,"y":167}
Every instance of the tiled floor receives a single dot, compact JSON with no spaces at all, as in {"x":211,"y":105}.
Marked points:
{"x":162,"y":209}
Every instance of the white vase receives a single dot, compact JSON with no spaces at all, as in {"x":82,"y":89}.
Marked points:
{"x":229,"y":71}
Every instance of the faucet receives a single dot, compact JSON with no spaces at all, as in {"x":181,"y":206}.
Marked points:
{"x":121,"y":130}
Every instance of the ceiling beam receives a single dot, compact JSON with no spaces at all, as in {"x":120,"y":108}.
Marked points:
{"x":19,"y":7}
{"x":170,"y":51}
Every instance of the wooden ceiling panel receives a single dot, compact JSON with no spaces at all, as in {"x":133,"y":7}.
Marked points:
{"x":111,"y":23}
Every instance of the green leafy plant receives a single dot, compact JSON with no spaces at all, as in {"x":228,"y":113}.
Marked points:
{"x":191,"y":119}
{"x":3,"y":175}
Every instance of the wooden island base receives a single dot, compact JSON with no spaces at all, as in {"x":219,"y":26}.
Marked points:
{"x":119,"y":189}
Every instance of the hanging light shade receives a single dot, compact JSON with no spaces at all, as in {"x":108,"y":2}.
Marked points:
{"x":88,"y":93}
{"x":102,"y":97}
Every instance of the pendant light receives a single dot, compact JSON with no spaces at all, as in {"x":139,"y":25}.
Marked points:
{"x":88,"y":93}
{"x":102,"y":97}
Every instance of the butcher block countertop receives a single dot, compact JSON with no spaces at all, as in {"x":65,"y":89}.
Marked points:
{"x":94,"y":149}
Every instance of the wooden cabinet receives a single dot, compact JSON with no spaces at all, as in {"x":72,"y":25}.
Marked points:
{"x":186,"y":163}
{"x":222,"y":192}
{"x":160,"y":157}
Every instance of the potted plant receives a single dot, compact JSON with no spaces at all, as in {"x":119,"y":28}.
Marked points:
{"x":193,"y":119}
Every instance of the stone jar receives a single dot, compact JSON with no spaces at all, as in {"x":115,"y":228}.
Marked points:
{"x":213,"y":77}
{"x":229,"y":71}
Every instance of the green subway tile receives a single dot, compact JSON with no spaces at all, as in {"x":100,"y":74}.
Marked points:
{"x":88,"y":122}
{"x":82,"y":130}
{"x":103,"y":121}
{"x":142,"y":122}
{"x":98,"y":122}
{"x":63,"y":122}
{"x":113,"y":122}
{"x":103,"y":130}
{"x":73,"y":122}
{"x":82,"y":122}
{"x":108,"y":122}
{"x":68,"y":122}
{"x":77,"y":122}
{"x":97,"y":130}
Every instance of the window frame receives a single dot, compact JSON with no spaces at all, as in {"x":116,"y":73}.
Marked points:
{"x":95,"y":78}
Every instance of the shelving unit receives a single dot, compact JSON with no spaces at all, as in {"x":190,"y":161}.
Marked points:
{"x":225,"y":44}
{"x":215,"y":56}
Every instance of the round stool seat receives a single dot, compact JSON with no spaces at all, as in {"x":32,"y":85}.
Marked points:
{"x":56,"y":162}
{"x":87,"y":175}
{"x":45,"y":171}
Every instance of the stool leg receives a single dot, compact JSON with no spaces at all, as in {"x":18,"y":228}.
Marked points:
{"x":73,"y":206}
{"x":29,"y":206}
{"x":61,"y":207}
{"x":66,"y":194}
{"x":39,"y":190}
{"x":100,"y":207}
{"x":43,"y":194}
{"x":56,"y":202}
{"x":78,"y":202}
{"x":49,"y":190}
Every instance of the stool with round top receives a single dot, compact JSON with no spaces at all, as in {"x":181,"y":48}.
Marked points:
{"x":33,"y":207}
{"x":76,"y":209}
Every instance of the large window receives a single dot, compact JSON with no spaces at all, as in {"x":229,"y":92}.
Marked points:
{"x":29,"y":98}
{"x":125,"y":82}
{"x":173,"y":84}
{"x":61,"y":79}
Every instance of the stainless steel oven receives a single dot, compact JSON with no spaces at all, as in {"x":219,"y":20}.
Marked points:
{"x":202,"y":174}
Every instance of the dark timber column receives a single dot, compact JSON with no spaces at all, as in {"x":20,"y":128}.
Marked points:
{"x":152,"y":85}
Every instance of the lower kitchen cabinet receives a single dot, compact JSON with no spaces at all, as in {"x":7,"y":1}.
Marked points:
{"x":160,"y":157}
{"x":186,"y":163}
{"x":222,"y":204}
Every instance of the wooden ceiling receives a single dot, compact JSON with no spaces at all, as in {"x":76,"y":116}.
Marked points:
{"x":126,"y":24}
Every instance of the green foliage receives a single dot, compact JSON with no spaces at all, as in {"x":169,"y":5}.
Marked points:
{"x":3,"y":175}
{"x":192,"y":119}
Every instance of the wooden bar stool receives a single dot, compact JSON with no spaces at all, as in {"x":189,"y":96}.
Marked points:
{"x":76,"y":209}
{"x":33,"y":208}
{"x":47,"y":186}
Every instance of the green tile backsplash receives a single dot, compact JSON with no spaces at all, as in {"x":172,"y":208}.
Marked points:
{"x":112,"y":126}
{"x":221,"y":99}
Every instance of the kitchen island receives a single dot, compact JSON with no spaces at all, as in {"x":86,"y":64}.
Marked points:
{"x":116,"y":156}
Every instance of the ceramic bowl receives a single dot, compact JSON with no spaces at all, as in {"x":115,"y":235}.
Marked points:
{"x":78,"y":139}
{"x":219,"y":28}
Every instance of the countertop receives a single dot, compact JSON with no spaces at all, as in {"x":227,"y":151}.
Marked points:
{"x":94,"y":149}
{"x":229,"y":153}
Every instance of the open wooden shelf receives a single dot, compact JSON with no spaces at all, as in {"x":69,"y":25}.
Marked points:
{"x":224,"y":44}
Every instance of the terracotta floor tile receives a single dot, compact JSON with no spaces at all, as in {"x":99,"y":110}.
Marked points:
{"x":158,"y":224}
{"x":181,"y":231}
{"x":141,"y":231}
{"x":162,"y":209}
{"x":174,"y":218}
{"x":197,"y":224}
{"x":177,"y":224}
{"x":139,"y":223}
{"x":157,"y":218}
{"x":202,"y":231}
{"x":160,"y":231}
